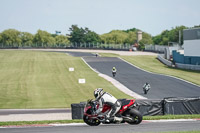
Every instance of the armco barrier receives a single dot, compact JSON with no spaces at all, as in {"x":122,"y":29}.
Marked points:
{"x":173,"y":106}
{"x":163,"y":60}
{"x":188,"y":66}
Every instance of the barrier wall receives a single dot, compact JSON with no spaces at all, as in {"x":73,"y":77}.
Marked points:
{"x":187,"y":66}
{"x":164,"y":61}
{"x":176,"y":106}
{"x":148,"y":107}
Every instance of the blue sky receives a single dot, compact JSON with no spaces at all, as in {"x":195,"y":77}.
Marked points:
{"x":101,"y":16}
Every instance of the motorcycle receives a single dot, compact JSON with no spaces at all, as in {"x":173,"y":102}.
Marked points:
{"x":146,"y":88}
{"x":128,"y":113}
{"x":114,"y":73}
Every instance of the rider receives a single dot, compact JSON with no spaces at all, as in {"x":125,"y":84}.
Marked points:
{"x":146,"y":87}
{"x":114,"y":70}
{"x":106,"y":98}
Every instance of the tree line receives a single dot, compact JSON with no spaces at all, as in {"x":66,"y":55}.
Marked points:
{"x":15,"y":38}
{"x":84,"y":36}
{"x":172,"y":35}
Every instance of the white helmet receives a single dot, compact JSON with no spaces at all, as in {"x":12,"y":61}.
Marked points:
{"x":98,"y":92}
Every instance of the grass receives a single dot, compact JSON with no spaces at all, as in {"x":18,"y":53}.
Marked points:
{"x":39,"y":122}
{"x":152,"y":64}
{"x":194,"y":116}
{"x":182,"y":132}
{"x":33,"y":79}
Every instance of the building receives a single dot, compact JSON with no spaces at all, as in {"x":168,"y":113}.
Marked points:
{"x":139,"y":36}
{"x":191,"y":44}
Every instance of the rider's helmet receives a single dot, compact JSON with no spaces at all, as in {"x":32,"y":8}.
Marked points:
{"x":98,"y":92}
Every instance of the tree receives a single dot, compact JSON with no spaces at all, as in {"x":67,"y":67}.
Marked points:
{"x":76,"y":35}
{"x":146,"y":39}
{"x":43,"y":38}
{"x":0,"y":38}
{"x":80,"y":35}
{"x":157,"y":39}
{"x":169,"y":36}
{"x":91,"y":37}
{"x":11,"y":37}
{"x":131,"y":37}
{"x":114,"y":37}
{"x":61,"y":40}
{"x":27,"y":38}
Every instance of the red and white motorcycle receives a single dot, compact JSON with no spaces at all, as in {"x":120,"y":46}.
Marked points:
{"x":128,"y":113}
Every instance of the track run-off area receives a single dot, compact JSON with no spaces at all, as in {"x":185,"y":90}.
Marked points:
{"x":132,"y":78}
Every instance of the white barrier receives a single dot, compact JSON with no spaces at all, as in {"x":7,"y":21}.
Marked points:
{"x":188,"y":66}
{"x":163,"y":60}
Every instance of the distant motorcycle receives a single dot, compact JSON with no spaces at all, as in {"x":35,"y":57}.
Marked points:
{"x":146,"y":88}
{"x":128,"y":113}
{"x":114,"y":73}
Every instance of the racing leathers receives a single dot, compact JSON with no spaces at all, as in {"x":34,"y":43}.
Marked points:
{"x":108,"y":99}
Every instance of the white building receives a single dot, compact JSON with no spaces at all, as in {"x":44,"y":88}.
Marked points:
{"x":191,"y":42}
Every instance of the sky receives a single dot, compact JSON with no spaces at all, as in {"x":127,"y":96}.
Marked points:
{"x":100,"y":16}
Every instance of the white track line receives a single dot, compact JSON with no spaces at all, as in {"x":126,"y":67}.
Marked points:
{"x":117,"y":84}
{"x":170,"y":120}
{"x":69,"y":124}
{"x":158,"y":73}
{"x":84,"y":124}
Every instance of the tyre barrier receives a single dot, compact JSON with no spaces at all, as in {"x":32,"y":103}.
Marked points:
{"x":166,"y":106}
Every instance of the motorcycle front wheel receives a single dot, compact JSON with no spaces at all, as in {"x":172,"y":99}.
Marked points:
{"x":136,"y":116}
{"x":91,"y":122}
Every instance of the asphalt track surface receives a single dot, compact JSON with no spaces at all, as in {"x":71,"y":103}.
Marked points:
{"x":134,"y":78}
{"x":117,"y":128}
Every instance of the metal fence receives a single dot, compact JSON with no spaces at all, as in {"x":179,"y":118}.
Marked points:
{"x":69,"y":46}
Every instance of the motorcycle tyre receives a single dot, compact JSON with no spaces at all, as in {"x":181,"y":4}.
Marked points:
{"x":135,"y":113}
{"x":94,"y":123}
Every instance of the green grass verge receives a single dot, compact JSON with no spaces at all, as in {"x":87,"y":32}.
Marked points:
{"x":39,"y":122}
{"x":152,"y":64}
{"x":35,"y":79}
{"x":81,"y":121}
{"x":195,"y":116}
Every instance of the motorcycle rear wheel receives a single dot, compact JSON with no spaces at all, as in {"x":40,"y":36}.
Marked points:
{"x":91,"y":122}
{"x":136,"y":117}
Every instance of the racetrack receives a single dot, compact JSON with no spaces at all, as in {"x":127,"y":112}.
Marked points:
{"x":117,"y":128}
{"x":134,"y":78}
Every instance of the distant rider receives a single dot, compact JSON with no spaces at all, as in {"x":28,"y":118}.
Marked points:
{"x":114,"y":70}
{"x":106,"y":98}
{"x":146,"y":88}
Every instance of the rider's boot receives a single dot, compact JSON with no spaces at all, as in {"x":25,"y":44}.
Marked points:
{"x":118,"y":119}
{"x":109,"y":119}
